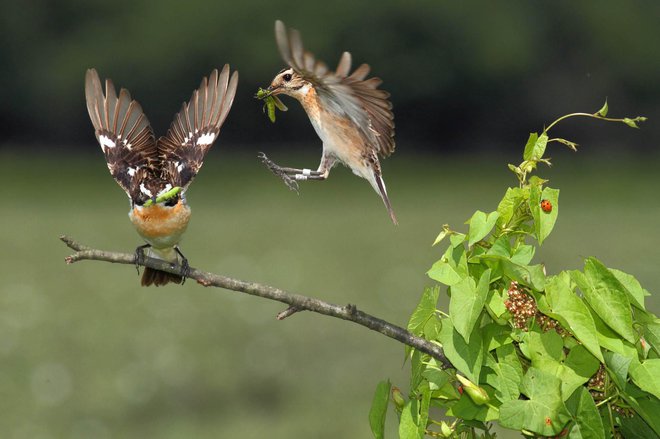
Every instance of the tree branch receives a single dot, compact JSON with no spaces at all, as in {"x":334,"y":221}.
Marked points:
{"x":296,"y":302}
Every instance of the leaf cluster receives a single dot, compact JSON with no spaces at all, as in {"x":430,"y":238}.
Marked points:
{"x":573,"y":354}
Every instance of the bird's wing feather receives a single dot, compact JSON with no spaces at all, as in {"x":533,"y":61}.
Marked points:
{"x":342,"y":92}
{"x":196,"y":127}
{"x":122,"y":130}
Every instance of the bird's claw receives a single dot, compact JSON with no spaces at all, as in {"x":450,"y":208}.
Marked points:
{"x":290,"y":182}
{"x":185,"y":270}
{"x":139,"y":257}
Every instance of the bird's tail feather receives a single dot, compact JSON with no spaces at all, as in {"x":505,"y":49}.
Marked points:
{"x":159,"y":278}
{"x":380,"y":185}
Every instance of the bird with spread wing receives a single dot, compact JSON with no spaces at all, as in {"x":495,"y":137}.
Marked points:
{"x":351,"y":115}
{"x":155,"y":173}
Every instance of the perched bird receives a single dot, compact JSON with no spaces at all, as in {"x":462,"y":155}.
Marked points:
{"x":156,"y":173}
{"x":349,"y":113}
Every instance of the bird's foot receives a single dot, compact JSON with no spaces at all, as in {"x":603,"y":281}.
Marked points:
{"x":139,"y":256}
{"x":290,"y":182}
{"x":185,"y":266}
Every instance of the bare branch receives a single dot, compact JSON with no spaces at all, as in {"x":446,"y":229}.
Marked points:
{"x":296,"y":302}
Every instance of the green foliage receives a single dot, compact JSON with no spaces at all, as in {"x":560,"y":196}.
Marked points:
{"x":572,"y":354}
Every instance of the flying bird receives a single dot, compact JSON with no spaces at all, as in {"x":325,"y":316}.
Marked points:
{"x":155,"y":173}
{"x":350,"y":114}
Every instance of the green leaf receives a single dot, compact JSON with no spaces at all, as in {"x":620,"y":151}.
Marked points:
{"x":436,"y":377}
{"x":467,"y":410}
{"x":651,"y":331}
{"x":535,"y":147}
{"x":588,"y":424}
{"x":546,"y":220}
{"x":647,"y":407}
{"x":617,"y":366}
{"x":635,"y":428}
{"x":507,"y":355}
{"x":567,"y":308}
{"x":647,"y":375}
{"x":495,"y":303}
{"x":609,"y":339}
{"x":529,"y":275}
{"x":424,"y":311}
{"x":378,"y":410}
{"x":423,"y":417}
{"x":523,"y":254}
{"x":481,"y":225}
{"x":452,"y":267}
{"x":466,"y":303}
{"x":632,"y":286}
{"x":607,"y":297}
{"x":603,"y":111}
{"x":495,"y":335}
{"x":511,"y":202}
{"x":407,"y":423}
{"x":544,"y":412}
{"x":466,"y":357}
{"x":443,"y":233}
{"x":505,"y":378}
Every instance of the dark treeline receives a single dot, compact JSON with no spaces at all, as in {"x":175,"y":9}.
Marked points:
{"x":461,"y":74}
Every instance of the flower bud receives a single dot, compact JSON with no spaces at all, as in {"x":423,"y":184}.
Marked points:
{"x":476,"y":393}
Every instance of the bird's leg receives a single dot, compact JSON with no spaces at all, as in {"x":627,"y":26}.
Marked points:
{"x":185,"y":267}
{"x":291,"y":176}
{"x":139,"y":256}
{"x":279,"y":171}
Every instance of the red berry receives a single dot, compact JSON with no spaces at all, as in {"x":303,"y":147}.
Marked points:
{"x":546,"y":205}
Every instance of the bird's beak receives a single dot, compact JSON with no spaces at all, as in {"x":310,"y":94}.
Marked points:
{"x":274,"y":90}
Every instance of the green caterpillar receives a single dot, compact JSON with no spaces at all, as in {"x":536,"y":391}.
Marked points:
{"x":270,"y":103}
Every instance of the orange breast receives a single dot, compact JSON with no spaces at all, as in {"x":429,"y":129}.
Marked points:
{"x":161,"y":221}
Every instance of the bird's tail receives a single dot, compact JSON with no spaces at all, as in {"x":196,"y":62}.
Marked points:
{"x":380,"y":187}
{"x":159,"y":278}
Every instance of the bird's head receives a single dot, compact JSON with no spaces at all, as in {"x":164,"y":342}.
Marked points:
{"x":290,"y":83}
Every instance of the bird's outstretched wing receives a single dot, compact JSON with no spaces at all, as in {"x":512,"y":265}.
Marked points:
{"x":122,"y":130}
{"x":345,"y":93}
{"x":196,"y":127}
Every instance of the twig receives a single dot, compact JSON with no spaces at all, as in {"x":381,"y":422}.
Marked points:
{"x":296,"y":302}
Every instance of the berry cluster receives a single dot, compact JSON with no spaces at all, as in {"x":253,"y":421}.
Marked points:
{"x":522,"y":307}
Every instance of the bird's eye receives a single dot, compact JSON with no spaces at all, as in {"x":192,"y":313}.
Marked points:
{"x":287,"y":77}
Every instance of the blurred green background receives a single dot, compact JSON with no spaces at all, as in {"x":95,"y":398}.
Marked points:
{"x":87,"y":353}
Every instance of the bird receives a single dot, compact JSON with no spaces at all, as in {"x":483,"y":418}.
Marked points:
{"x":350,"y":114}
{"x":155,"y":173}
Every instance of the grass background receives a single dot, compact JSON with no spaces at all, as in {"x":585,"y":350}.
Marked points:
{"x":86,"y":352}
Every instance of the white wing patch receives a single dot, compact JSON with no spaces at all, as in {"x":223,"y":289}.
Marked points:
{"x":131,"y":171}
{"x":145,"y":191}
{"x":106,"y":142}
{"x":206,"y":139}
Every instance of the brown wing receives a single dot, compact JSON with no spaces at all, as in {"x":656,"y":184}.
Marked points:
{"x":347,"y":94}
{"x":196,"y":127}
{"x":121,"y":129}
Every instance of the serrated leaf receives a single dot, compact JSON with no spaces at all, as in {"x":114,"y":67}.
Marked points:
{"x":543,"y":413}
{"x":567,"y":308}
{"x":480,"y":225}
{"x":607,"y":298}
{"x":378,"y":411}
{"x":466,"y":303}
{"x":647,"y":375}
{"x":588,"y":423}
{"x":465,"y":357}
